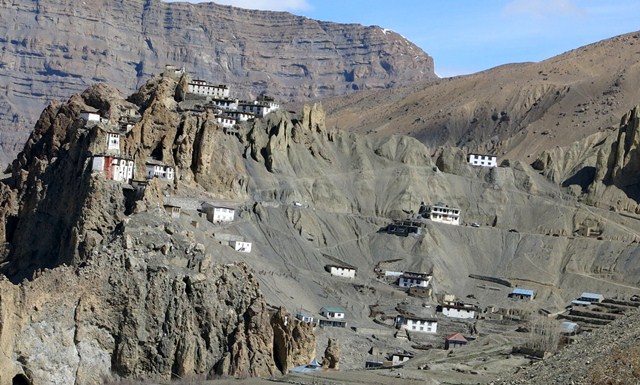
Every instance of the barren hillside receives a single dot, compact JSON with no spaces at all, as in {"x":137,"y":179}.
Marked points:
{"x":145,"y":294}
{"x":513,"y":111}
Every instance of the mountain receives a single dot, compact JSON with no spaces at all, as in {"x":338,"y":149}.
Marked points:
{"x":513,"y":111}
{"x":100,"y":280}
{"x":50,"y":50}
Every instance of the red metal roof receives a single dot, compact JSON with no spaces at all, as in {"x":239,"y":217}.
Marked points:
{"x":456,"y":337}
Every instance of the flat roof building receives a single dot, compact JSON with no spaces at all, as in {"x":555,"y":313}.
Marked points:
{"x":519,"y":293}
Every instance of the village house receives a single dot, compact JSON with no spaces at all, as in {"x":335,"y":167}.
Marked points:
{"x":92,"y":115}
{"x":405,"y":228}
{"x":341,"y":270}
{"x":115,"y":168}
{"x":172,"y":71}
{"x":129,"y":116}
{"x":202,"y":87}
{"x":335,"y":312}
{"x":334,"y":317}
{"x":482,"y":160}
{"x":217,"y":214}
{"x":240,"y":116}
{"x":226,"y":121}
{"x":591,"y":297}
{"x":255,"y":108}
{"x":417,"y":324}
{"x":454,"y":340}
{"x":457,"y":310}
{"x":441,"y":213}
{"x":113,"y":142}
{"x":225,"y":103}
{"x":411,"y":279}
{"x":241,"y":246}
{"x":157,"y":169}
{"x":400,"y":357}
{"x":139,"y":186}
{"x":269,"y":101}
{"x":305,"y":316}
{"x":420,"y":292}
{"x":519,"y":293}
{"x":172,"y":210}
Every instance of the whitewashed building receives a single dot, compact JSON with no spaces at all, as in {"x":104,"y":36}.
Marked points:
{"x":410,"y":279}
{"x":157,"y":169}
{"x":202,"y":87}
{"x":591,"y":297}
{"x":482,"y":160}
{"x":268,"y":101}
{"x":218,"y":213}
{"x":444,"y":214}
{"x":305,"y":316}
{"x":457,"y":310}
{"x":241,"y":246}
{"x":240,"y":116}
{"x":113,"y":142}
{"x":115,"y":168}
{"x":226,"y":121}
{"x":332,"y":312}
{"x":172,"y":210}
{"x":90,"y":116}
{"x":398,"y":358}
{"x":417,"y":324}
{"x":225,"y":103}
{"x":341,"y":270}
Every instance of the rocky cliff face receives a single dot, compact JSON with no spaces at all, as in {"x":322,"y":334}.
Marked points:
{"x":140,"y":298}
{"x":603,"y":168}
{"x":130,"y":311}
{"x":52,"y":50}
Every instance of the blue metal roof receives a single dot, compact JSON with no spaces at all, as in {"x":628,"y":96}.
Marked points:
{"x":592,"y":296}
{"x":332,"y":309}
{"x":581,"y":303}
{"x":520,"y":291}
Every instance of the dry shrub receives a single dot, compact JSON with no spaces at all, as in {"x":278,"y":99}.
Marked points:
{"x":544,"y":335}
{"x":621,"y":367}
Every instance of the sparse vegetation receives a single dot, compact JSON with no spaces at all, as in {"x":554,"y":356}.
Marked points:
{"x":620,"y":367}
{"x":544,"y":335}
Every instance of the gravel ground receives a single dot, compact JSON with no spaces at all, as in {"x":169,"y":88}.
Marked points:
{"x":605,"y":356}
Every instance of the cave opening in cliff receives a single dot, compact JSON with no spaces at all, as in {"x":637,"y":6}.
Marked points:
{"x":20,"y":379}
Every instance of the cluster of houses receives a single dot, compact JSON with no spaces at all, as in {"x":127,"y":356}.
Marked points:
{"x":330,"y":316}
{"x":203,"y":95}
{"x":439,"y":212}
{"x":108,"y":159}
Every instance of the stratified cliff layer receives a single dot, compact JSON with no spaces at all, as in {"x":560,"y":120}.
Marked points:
{"x":55,"y":48}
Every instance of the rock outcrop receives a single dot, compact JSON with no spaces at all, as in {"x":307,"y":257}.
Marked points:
{"x":331,"y":359}
{"x":129,"y":312}
{"x":602,"y":169}
{"x":51,"y":51}
{"x":138,"y":297}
